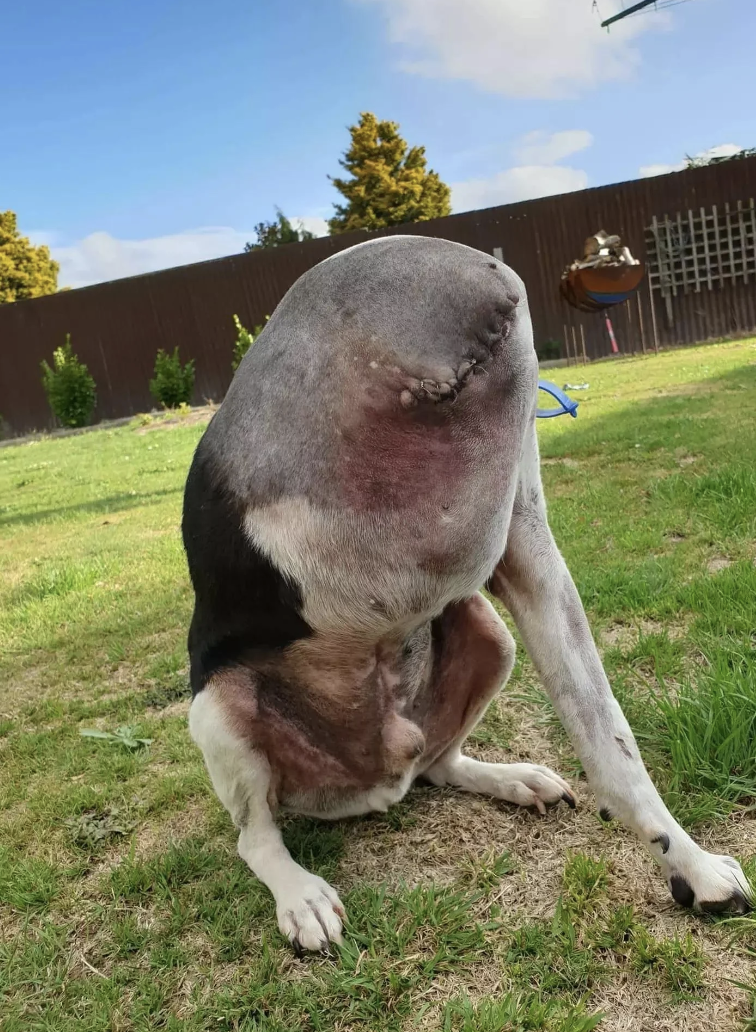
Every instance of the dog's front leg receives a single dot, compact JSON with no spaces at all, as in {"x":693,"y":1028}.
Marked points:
{"x":534,"y":583}
{"x":310,"y":913}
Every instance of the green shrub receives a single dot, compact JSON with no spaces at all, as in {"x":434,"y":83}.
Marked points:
{"x":244,"y":341}
{"x":69,"y":387}
{"x":548,"y":350}
{"x":173,"y":383}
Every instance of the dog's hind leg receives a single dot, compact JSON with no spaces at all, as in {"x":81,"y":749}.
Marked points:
{"x":476,"y":655}
{"x":534,"y":583}
{"x":310,"y":913}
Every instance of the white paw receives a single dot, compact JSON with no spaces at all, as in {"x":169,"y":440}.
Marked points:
{"x":310,"y":913}
{"x":530,"y":785}
{"x":709,"y":883}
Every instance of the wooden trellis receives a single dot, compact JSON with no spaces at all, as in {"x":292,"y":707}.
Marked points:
{"x":702,"y":248}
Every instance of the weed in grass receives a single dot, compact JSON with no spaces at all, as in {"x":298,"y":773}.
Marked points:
{"x":483,"y":873}
{"x":160,"y":876}
{"x":584,"y":882}
{"x":92,"y":829}
{"x":679,"y":962}
{"x":126,"y":936}
{"x":553,"y":956}
{"x":27,"y":884}
{"x":517,"y":1012}
{"x":124,"y":736}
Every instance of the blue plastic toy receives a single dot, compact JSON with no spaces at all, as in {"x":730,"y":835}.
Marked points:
{"x":566,"y":405}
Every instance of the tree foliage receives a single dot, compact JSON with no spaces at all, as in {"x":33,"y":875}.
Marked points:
{"x":244,"y":341}
{"x":279,"y":231}
{"x":25,"y":270}
{"x":390,"y":183}
{"x":69,"y":387}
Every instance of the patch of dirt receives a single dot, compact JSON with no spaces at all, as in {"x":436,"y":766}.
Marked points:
{"x":684,"y":459}
{"x":446,"y":830}
{"x":624,"y":636}
{"x":566,"y":461}
{"x":175,"y":709}
{"x":200,"y":414}
{"x":718,"y":563}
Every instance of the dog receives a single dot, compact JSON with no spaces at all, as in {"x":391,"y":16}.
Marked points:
{"x":372,"y":468}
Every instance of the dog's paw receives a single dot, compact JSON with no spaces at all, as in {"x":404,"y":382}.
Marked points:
{"x":710,"y":884}
{"x":530,"y":785}
{"x":310,"y":914}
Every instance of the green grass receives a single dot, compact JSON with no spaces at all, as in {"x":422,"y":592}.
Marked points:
{"x":122,"y":902}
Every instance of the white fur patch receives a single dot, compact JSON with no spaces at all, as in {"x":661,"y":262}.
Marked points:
{"x":358,"y":571}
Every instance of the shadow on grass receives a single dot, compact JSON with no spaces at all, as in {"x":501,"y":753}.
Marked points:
{"x":655,"y":422}
{"x":102,"y":506}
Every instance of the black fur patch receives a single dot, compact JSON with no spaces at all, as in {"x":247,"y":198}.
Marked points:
{"x":663,"y":840}
{"x":621,"y":743}
{"x":242,"y":602}
{"x":681,"y":891}
{"x":736,"y":902}
{"x":605,"y":814}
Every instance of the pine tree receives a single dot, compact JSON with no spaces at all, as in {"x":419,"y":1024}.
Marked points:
{"x":390,"y":183}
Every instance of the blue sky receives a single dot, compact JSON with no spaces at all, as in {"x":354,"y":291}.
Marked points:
{"x":141,"y":135}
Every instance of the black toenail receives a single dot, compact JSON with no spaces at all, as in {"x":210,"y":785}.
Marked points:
{"x":681,"y":891}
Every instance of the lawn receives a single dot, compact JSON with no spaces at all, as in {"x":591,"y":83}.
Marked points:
{"x":123,"y":905}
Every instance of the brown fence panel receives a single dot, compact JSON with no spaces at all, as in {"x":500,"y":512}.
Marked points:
{"x":117,"y":327}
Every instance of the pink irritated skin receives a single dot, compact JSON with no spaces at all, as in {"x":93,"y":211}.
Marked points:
{"x":396,"y":724}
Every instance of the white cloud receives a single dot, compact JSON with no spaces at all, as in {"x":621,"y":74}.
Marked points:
{"x":521,"y":183}
{"x":520,"y":48}
{"x":314,"y":223}
{"x":721,"y":150}
{"x":536,"y":175}
{"x":646,"y":171}
{"x":100,"y":256}
{"x":539,"y":148}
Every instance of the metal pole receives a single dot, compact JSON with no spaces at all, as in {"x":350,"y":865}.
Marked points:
{"x":640,"y":322}
{"x":624,"y":14}
{"x":582,"y":337}
{"x":653,"y":315}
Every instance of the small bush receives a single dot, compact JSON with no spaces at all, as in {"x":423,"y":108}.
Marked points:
{"x":548,"y":350}
{"x":173,"y":383}
{"x":69,"y":387}
{"x":244,"y":341}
